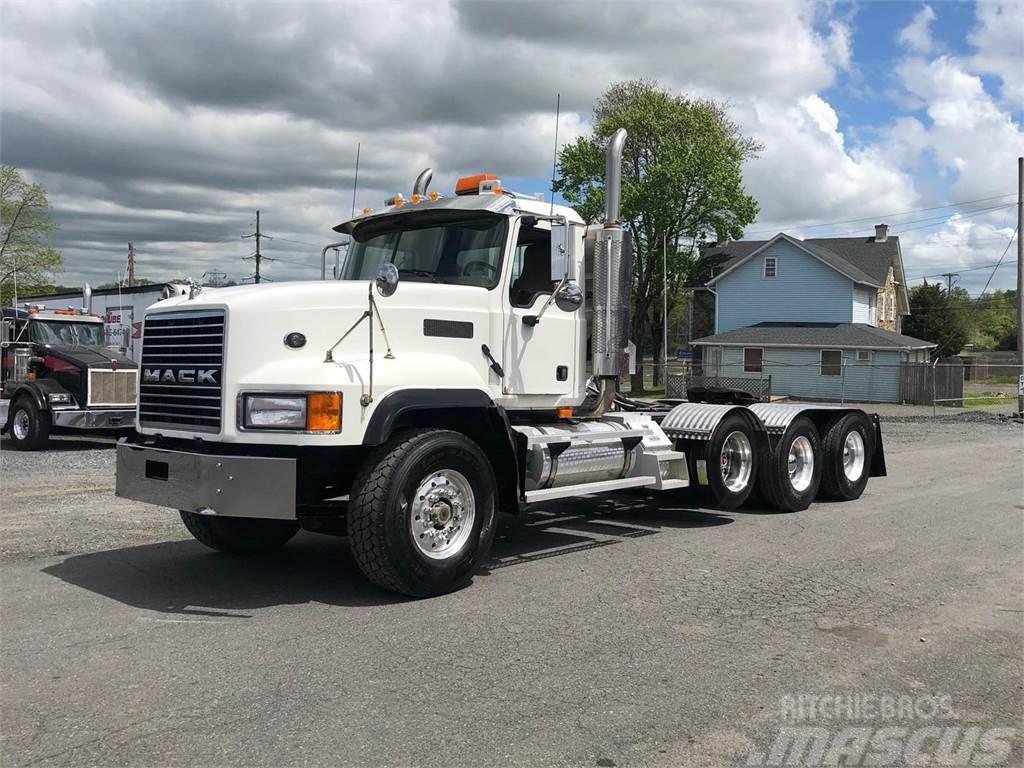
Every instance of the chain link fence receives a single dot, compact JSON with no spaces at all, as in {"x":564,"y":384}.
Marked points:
{"x":944,"y":383}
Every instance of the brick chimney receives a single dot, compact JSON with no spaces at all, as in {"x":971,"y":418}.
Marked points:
{"x":881,"y":233}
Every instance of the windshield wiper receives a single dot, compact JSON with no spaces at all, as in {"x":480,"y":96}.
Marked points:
{"x":419,"y":273}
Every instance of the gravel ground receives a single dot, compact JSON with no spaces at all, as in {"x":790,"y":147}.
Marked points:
{"x":611,"y":631}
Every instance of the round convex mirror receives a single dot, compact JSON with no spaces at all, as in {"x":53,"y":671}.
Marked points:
{"x":387,"y":279}
{"x":569,"y":297}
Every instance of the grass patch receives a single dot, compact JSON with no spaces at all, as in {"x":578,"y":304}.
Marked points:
{"x":983,"y":399}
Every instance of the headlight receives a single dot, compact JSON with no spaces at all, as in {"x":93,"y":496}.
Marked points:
{"x":275,"y":412}
{"x":310,"y":412}
{"x":58,"y":397}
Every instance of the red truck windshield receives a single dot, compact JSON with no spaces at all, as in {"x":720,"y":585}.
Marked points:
{"x":68,"y":334}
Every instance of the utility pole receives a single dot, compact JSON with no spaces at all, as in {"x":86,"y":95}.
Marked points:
{"x":1020,"y":283}
{"x":131,"y":265}
{"x":664,"y":310}
{"x":258,"y":255}
{"x":215,"y":278}
{"x":949,"y":280}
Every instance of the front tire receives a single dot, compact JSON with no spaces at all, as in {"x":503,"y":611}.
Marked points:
{"x":239,"y":535}
{"x":790,"y":478}
{"x":847,"y":450}
{"x":422,"y":512}
{"x":28,"y":425}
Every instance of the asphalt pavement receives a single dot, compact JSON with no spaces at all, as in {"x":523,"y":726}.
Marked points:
{"x":605,"y":631}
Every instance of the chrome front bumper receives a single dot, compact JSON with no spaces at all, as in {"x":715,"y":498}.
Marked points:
{"x":75,"y":418}
{"x":229,"y":486}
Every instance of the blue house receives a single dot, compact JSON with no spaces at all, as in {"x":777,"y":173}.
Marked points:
{"x":822,"y":317}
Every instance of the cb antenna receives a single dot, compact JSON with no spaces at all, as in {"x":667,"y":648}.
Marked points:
{"x":554,"y":161}
{"x":355,"y":181}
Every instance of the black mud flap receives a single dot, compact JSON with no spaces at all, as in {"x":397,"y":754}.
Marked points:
{"x":878,"y":454}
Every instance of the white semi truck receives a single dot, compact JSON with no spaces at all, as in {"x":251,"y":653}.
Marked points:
{"x":441,"y":379}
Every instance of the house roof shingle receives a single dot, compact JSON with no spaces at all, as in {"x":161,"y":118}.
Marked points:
{"x":870,"y":259}
{"x":818,"y":335}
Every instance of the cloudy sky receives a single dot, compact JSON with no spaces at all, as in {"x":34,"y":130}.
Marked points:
{"x":168,"y":124}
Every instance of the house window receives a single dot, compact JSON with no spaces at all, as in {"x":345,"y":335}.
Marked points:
{"x":752,"y":359}
{"x":863,"y":355}
{"x":771,"y":267}
{"x":831,"y":362}
{"x":892,"y":308}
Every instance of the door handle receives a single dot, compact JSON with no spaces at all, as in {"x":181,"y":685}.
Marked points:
{"x":494,"y":363}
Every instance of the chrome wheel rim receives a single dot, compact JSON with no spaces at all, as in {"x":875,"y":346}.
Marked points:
{"x":21,"y":425}
{"x":736,"y":461}
{"x":441,"y":514}
{"x":853,"y":456}
{"x":801,"y":464}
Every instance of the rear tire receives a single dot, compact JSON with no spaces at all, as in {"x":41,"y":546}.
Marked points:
{"x":732,"y":458}
{"x":29,"y":426}
{"x":239,"y":535}
{"x":422,"y":512}
{"x":790,"y":478}
{"x":847,"y":449}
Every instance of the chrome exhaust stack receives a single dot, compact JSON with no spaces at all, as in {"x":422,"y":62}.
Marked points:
{"x":613,"y":267}
{"x":87,"y":298}
{"x":419,"y":187}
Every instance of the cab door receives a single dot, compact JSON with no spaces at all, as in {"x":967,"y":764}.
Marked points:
{"x":539,"y":359}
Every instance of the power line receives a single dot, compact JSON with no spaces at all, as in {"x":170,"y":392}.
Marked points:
{"x":289,"y":240}
{"x":1016,"y":231}
{"x":935,"y":220}
{"x":877,"y":217}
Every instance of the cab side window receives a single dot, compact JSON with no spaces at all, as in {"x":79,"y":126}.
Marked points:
{"x":531,"y":267}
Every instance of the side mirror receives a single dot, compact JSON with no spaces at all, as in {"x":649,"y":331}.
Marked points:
{"x":569,"y":296}
{"x":559,"y":251}
{"x":387,"y":279}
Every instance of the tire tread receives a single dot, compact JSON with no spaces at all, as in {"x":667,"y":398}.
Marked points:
{"x":367,"y":507}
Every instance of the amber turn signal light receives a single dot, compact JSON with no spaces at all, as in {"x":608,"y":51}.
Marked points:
{"x":323,"y":412}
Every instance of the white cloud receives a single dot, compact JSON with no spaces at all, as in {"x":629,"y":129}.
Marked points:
{"x":955,"y":247}
{"x":998,"y":37}
{"x":968,"y":135}
{"x":917,"y":35}
{"x":806,"y":173}
{"x":840,"y":44}
{"x":169,"y":124}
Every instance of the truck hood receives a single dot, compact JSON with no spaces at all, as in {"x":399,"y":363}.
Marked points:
{"x":260,"y":316}
{"x":89,"y":357}
{"x":314,"y":296}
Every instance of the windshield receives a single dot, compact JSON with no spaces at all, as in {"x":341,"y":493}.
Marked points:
{"x":452,"y":247}
{"x":68,"y":334}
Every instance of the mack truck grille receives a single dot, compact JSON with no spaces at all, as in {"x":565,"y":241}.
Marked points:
{"x":182,"y":365}
{"x":110,"y":387}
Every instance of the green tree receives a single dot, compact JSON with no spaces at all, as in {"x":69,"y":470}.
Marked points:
{"x":939,"y":317}
{"x":995,"y":324}
{"x":25,"y":227}
{"x":682,"y":183}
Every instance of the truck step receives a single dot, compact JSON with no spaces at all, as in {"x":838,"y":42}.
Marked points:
{"x":602,"y":486}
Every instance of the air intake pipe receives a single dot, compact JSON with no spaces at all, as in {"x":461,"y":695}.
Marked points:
{"x":87,"y":298}
{"x":419,"y":187}
{"x":612,"y":274}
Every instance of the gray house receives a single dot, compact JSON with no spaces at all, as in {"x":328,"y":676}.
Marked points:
{"x":821,"y":317}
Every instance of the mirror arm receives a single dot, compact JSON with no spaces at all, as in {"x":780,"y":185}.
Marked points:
{"x":532,"y":320}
